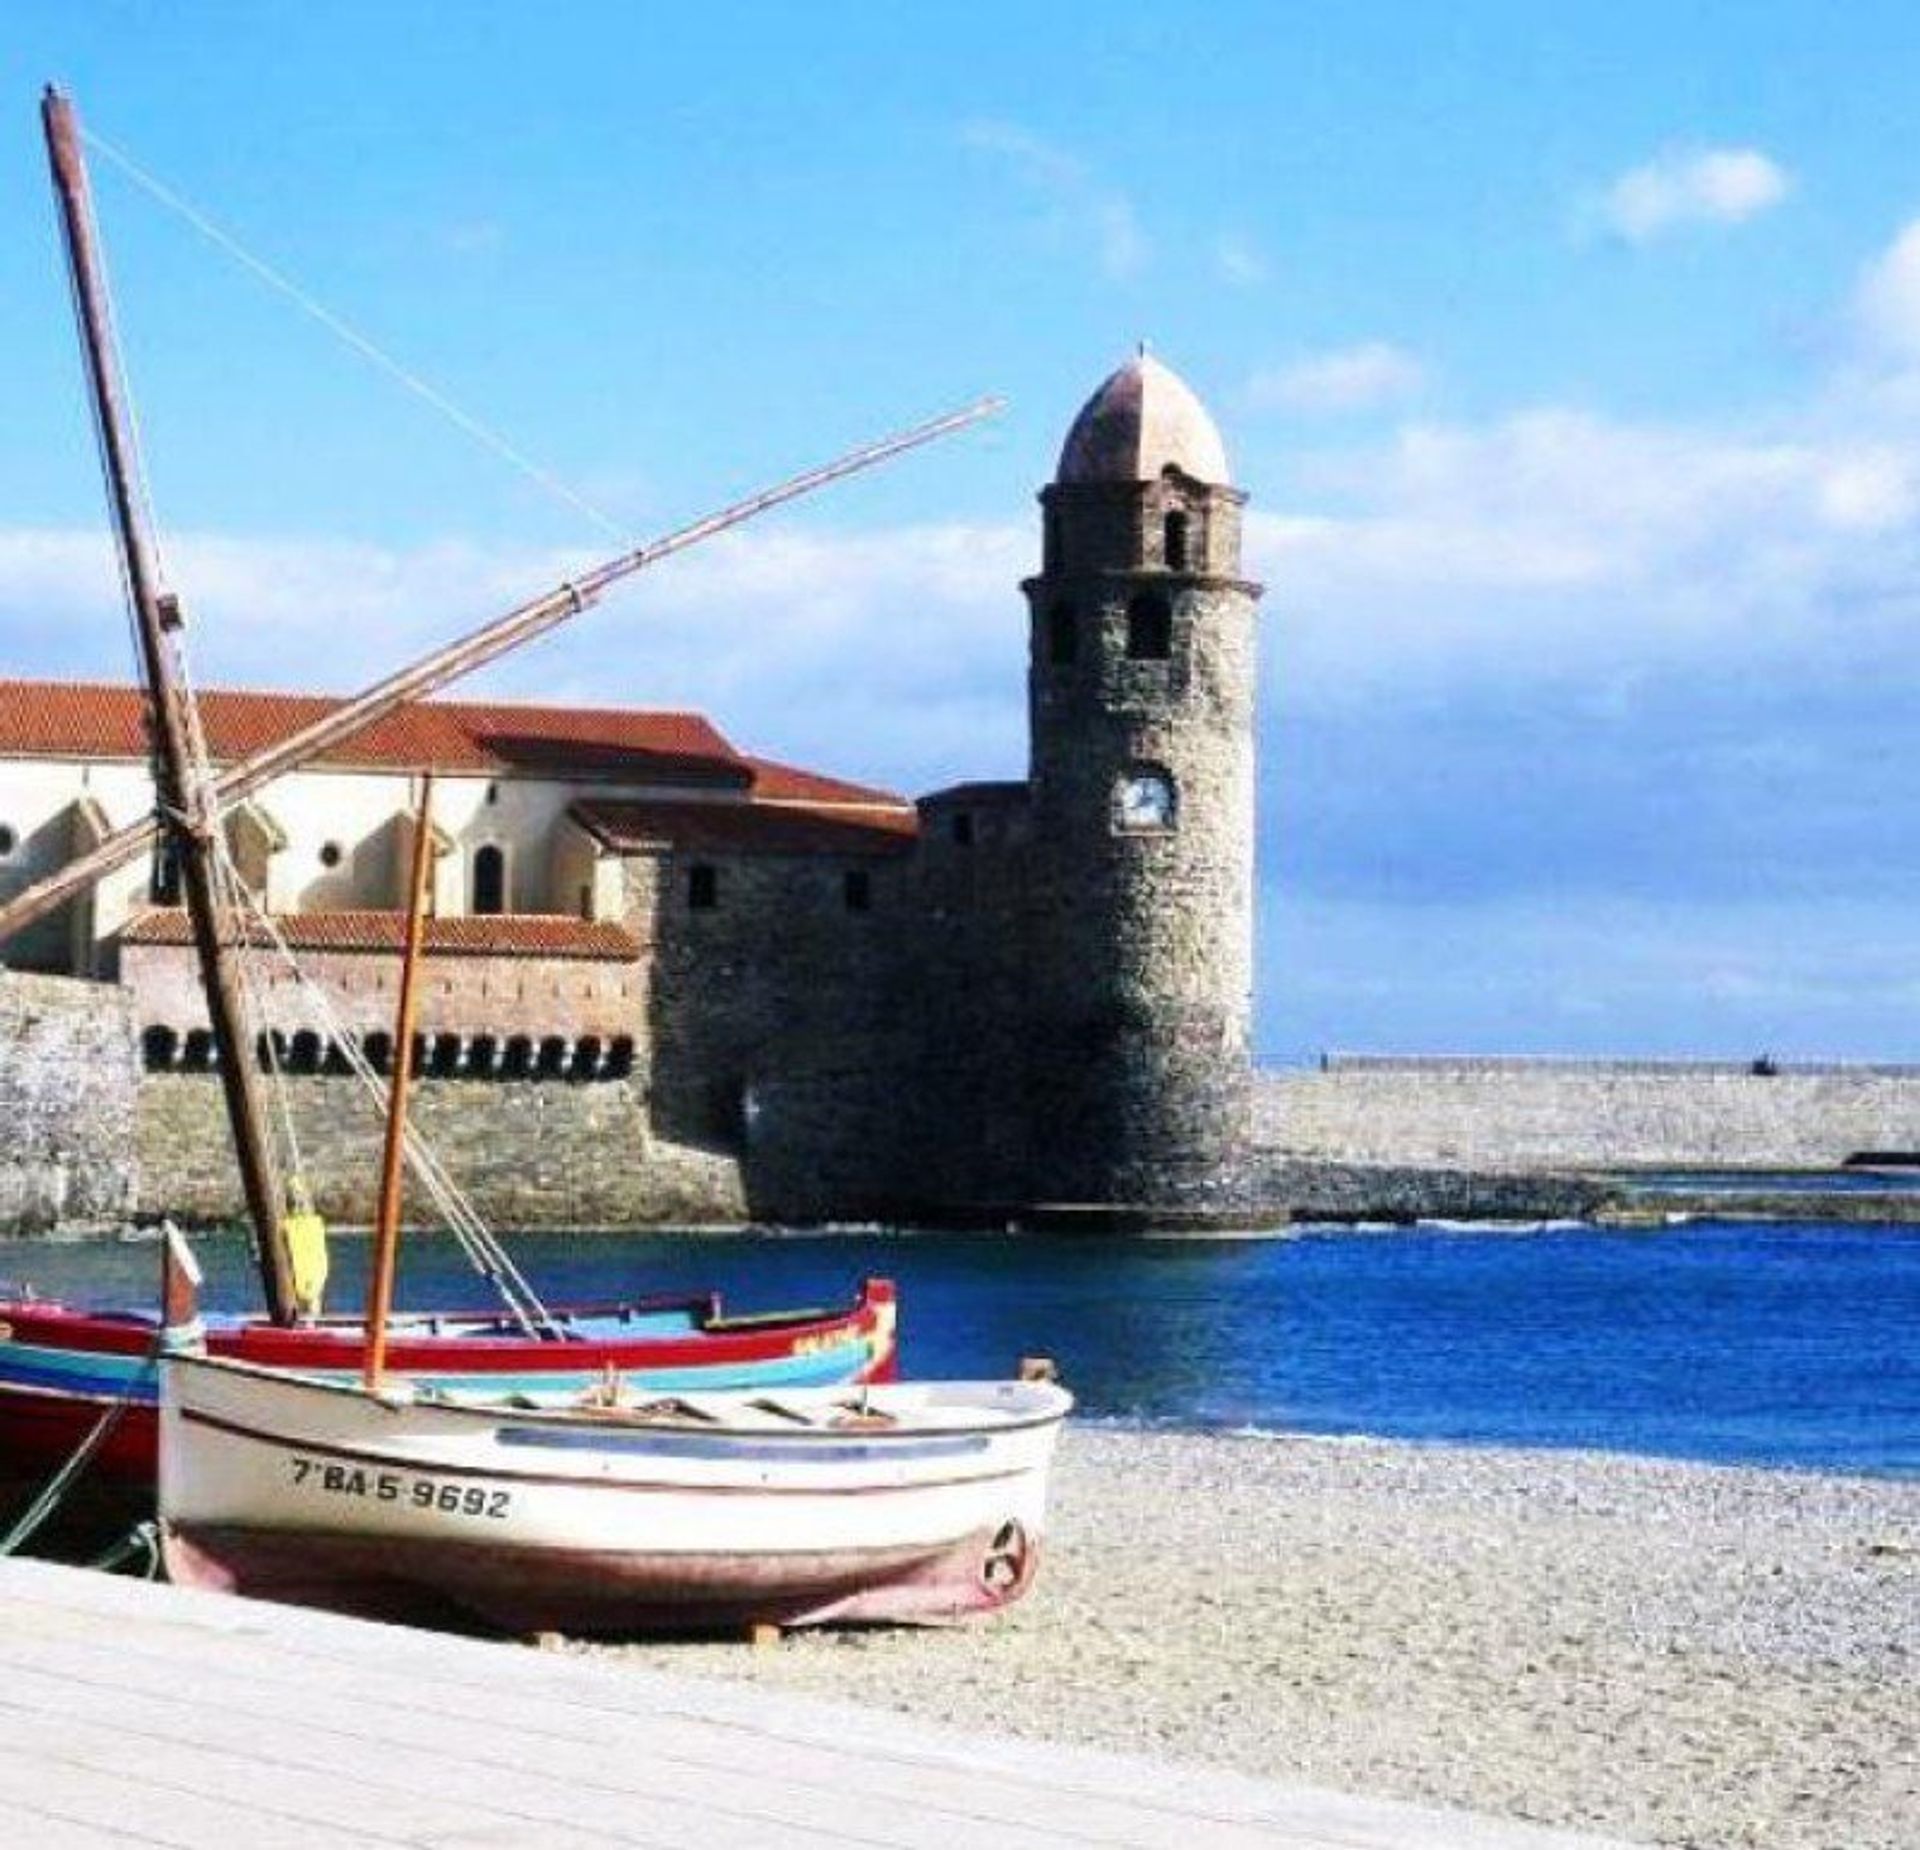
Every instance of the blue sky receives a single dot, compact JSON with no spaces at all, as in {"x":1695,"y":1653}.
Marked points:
{"x":1571,"y":357}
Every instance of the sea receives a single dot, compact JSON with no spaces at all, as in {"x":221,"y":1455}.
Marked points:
{"x":1792,"y":1344}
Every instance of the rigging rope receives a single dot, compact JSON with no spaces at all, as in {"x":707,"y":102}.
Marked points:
{"x":475,"y":1238}
{"x":35,"y":1515}
{"x":142,"y":484}
{"x":238,"y":910}
{"x":360,"y":343}
{"x":128,"y":603}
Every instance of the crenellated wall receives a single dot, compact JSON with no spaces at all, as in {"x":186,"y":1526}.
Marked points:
{"x":568,"y":997}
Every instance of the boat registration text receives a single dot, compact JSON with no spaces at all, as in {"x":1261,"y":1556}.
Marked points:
{"x":420,"y":1493}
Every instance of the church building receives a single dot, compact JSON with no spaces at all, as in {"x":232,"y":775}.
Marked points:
{"x":1000,"y":1001}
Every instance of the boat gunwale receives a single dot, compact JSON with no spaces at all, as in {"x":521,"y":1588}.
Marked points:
{"x":1058,"y":1401}
{"x":45,"y":1323}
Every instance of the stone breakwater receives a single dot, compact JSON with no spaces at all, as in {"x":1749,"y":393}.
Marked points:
{"x":1668,"y":1653}
{"x":1326,"y":1191}
{"x":1522,"y":1114}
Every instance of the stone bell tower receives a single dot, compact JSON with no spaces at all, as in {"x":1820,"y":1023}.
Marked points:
{"x":1140,"y":884}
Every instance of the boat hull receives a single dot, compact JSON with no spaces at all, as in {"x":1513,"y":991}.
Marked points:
{"x":591,"y":1593}
{"x":62,"y":1369}
{"x":922,"y":1505}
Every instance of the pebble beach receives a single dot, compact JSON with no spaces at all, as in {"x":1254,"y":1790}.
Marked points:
{"x":1669,"y":1653}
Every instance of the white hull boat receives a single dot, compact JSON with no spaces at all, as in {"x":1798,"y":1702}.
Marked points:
{"x":701,"y":1512}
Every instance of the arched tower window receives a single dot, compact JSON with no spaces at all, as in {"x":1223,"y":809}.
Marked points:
{"x":1149,"y":628}
{"x":1050,"y":540}
{"x":1173,"y":540}
{"x":1063,"y":634}
{"x":489,"y":879}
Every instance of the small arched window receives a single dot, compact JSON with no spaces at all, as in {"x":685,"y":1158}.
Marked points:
{"x":163,"y":886}
{"x":1063,"y":634}
{"x":703,"y":887}
{"x":1050,"y":540}
{"x":1149,"y":628}
{"x":489,"y":880}
{"x":1173,"y":546}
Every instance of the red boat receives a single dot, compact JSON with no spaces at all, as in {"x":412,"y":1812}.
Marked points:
{"x":63,"y":1371}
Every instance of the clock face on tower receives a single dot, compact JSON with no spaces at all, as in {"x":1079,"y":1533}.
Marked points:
{"x":1145,"y":801}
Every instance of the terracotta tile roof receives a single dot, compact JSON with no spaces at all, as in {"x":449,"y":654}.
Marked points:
{"x":70,"y":719}
{"x":509,"y":934}
{"x":786,"y":783}
{"x":748,"y":828}
{"x":980,"y":793}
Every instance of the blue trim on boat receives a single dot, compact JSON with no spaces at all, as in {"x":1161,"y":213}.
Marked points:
{"x":75,"y":1372}
{"x":818,"y":1447}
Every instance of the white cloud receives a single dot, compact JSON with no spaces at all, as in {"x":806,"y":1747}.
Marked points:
{"x":1347,"y":379}
{"x":1240,"y":260}
{"x":1080,"y":207}
{"x":1557,"y":545}
{"x":894,"y":655}
{"x":1723,"y":186}
{"x":1887,"y":301}
{"x":1871,"y":489}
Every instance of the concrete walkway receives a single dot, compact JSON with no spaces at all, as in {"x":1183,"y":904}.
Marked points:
{"x":137,"y":1714}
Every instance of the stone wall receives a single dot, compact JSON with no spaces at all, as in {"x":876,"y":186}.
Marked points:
{"x":527,"y":1153}
{"x":776,"y":1036}
{"x":1515,"y":1114}
{"x":68,"y":1073}
{"x":962,"y":978}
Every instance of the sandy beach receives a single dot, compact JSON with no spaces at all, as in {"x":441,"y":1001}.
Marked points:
{"x":1674,"y":1654}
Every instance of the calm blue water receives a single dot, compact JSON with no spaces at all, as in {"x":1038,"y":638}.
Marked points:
{"x":1787,"y":1345}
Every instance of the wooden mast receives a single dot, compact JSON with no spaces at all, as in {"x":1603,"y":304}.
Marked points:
{"x":189,"y":818}
{"x":386,"y":1242}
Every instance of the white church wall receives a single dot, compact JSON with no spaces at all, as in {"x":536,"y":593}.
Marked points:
{"x":37,"y":800}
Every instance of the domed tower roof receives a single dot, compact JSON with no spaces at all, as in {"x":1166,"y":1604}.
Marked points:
{"x":1144,"y":418}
